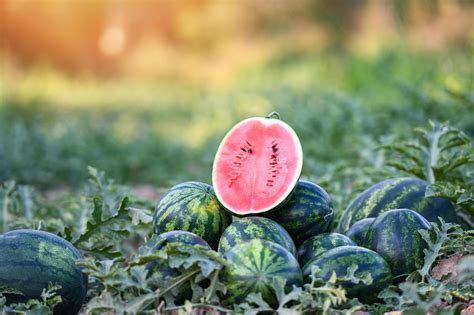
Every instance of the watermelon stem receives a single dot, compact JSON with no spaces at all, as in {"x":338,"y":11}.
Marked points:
{"x":273,"y":115}
{"x":215,"y":277}
{"x":201,"y":305}
{"x":180,"y":280}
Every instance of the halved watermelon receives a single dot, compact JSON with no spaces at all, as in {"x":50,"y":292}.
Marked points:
{"x":257,"y":165}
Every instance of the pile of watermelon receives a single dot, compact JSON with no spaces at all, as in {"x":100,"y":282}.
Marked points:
{"x":267,"y":222}
{"x":264,"y":220}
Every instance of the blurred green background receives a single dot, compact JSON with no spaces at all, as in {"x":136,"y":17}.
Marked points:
{"x":146,"y":89}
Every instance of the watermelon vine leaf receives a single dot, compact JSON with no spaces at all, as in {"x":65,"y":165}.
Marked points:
{"x":203,"y":264}
{"x":45,"y":305}
{"x":105,"y":302}
{"x":411,"y":294}
{"x":100,"y":269}
{"x":254,"y":302}
{"x":421,"y":290}
{"x":283,"y":298}
{"x":99,"y":232}
{"x":327,"y":297}
{"x":435,"y":155}
{"x":112,"y":195}
{"x":436,"y":240}
{"x":441,"y":156}
{"x":148,"y":253}
{"x":50,"y":295}
{"x":133,"y":282}
{"x":140,"y":215}
{"x":462,"y":196}
{"x":364,"y":277}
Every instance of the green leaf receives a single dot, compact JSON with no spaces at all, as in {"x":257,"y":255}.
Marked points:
{"x":7,"y":290}
{"x":436,"y":240}
{"x":103,"y":230}
{"x":365,"y":277}
{"x":50,"y":296}
{"x":106,"y":302}
{"x":436,"y":155}
{"x":254,"y":304}
{"x":140,"y":215}
{"x":187,"y":256}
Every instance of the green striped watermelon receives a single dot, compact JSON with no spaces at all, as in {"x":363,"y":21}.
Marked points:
{"x":252,"y":267}
{"x":319,"y":244}
{"x":192,"y":207}
{"x":248,"y":228}
{"x":308,"y":212}
{"x":394,"y":236}
{"x":340,"y":259}
{"x":397,"y":193}
{"x":358,"y":230}
{"x":183,"y":237}
{"x":31,"y":259}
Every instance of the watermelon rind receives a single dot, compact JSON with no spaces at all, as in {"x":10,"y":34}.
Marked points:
{"x":358,"y":230}
{"x":396,"y":193}
{"x":394,"y":235}
{"x":292,"y":182}
{"x":191,"y":207}
{"x":31,"y":259}
{"x":318,"y":244}
{"x":248,"y":228}
{"x":183,"y":237}
{"x":252,"y":267}
{"x":308,"y":212}
{"x":340,"y":259}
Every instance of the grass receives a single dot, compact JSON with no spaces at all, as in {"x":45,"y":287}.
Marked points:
{"x":343,"y":107}
{"x":148,"y":131}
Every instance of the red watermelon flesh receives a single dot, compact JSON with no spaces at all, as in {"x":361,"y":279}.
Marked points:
{"x":257,"y":165}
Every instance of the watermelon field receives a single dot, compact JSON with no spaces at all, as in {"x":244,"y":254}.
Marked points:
{"x":305,"y":178}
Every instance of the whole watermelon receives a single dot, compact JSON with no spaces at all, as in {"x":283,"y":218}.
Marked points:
{"x":394,"y":235}
{"x":319,"y":244}
{"x":308,"y":212}
{"x":248,"y":228}
{"x":252,"y":267}
{"x":160,"y":271}
{"x":192,"y":207}
{"x":31,"y":259}
{"x":397,"y":193}
{"x":358,"y":230}
{"x":340,"y":259}
{"x":182,"y":237}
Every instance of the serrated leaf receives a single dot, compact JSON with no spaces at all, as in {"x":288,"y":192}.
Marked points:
{"x":437,"y":154}
{"x":279,"y":285}
{"x":103,"y":226}
{"x":141,"y":302}
{"x":140,"y":215}
{"x":7,"y":290}
{"x":255,"y":304}
{"x":187,"y":256}
{"x":100,"y":269}
{"x":105,"y":302}
{"x":364,"y":277}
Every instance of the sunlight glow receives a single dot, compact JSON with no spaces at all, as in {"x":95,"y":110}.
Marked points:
{"x":112,"y":41}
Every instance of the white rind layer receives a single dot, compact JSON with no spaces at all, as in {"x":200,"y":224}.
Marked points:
{"x":294,"y":180}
